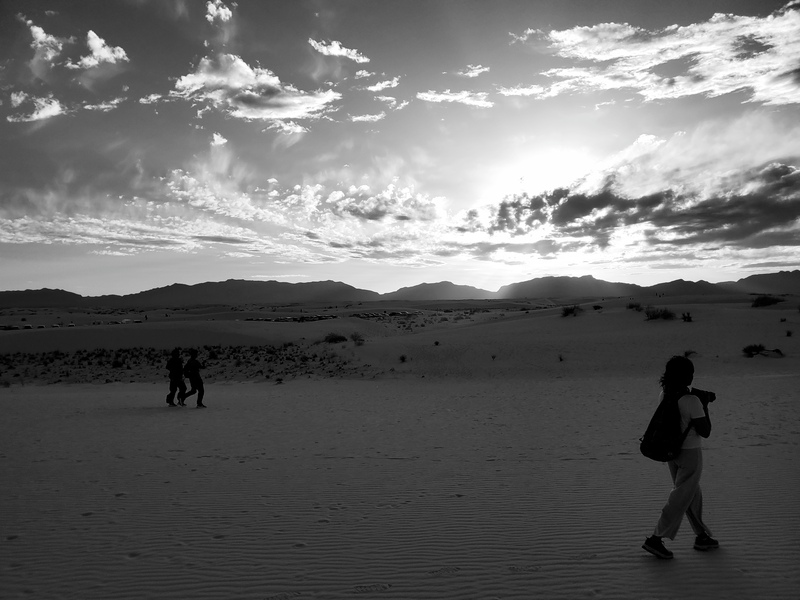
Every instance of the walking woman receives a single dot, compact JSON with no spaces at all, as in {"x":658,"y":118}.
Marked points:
{"x":686,"y":497}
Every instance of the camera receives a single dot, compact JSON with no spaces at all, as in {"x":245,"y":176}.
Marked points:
{"x":705,"y":397}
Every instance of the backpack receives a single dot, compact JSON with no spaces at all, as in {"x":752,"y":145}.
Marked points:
{"x":662,"y":440}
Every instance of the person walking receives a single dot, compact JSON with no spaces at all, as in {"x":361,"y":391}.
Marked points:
{"x":686,"y":469}
{"x":192,"y":371}
{"x":176,"y":383}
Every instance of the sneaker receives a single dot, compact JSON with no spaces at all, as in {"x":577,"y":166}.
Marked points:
{"x":705,"y":542}
{"x":201,"y":406}
{"x":655,"y":546}
{"x":171,"y":404}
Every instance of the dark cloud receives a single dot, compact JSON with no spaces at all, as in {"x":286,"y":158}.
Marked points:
{"x":220,"y":239}
{"x":762,"y":211}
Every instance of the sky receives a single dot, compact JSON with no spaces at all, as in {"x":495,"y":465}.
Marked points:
{"x":386,"y":144}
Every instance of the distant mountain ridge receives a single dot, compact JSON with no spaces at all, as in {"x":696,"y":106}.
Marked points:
{"x":276,"y":293}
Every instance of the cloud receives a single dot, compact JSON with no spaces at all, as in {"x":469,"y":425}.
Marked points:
{"x":368,"y":118}
{"x":727,"y":53}
{"x":151,"y":99}
{"x":362,"y":74}
{"x":43,"y":108}
{"x":100,"y":53}
{"x":532,"y":90}
{"x":287,"y":127}
{"x":107,"y":106}
{"x":46,"y":49}
{"x":216,"y":10}
{"x":230,"y":85}
{"x":335,"y":48}
{"x":382,"y":85}
{"x":218,"y":140}
{"x":477,"y":99}
{"x":392,"y":102}
{"x":472,"y":71}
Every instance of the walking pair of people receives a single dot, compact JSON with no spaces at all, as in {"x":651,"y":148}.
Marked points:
{"x":177,"y":371}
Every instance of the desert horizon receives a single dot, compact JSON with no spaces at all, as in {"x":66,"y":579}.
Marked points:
{"x":451,"y":451}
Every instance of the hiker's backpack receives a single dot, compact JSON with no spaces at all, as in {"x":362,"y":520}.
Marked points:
{"x":663,"y":438}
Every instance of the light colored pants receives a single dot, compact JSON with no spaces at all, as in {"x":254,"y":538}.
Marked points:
{"x":685,"y":497}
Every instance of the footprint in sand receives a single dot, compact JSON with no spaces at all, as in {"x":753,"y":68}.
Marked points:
{"x":283,"y":596}
{"x":524,"y":569}
{"x":375,"y":587}
{"x":444,"y":571}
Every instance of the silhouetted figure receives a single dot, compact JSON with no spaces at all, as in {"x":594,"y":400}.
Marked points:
{"x":685,"y":469}
{"x":176,"y":384}
{"x":192,"y":371}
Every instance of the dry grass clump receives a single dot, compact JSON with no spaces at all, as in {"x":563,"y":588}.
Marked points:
{"x":651,"y":314}
{"x":765,"y":301}
{"x":335,"y":338}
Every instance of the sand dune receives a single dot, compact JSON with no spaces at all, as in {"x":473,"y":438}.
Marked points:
{"x":455,"y":475}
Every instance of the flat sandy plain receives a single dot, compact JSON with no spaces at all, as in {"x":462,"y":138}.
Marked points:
{"x":485,"y":452}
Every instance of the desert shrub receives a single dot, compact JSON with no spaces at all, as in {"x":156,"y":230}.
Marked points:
{"x":634,"y":306}
{"x":357,"y":338}
{"x":573,"y":310}
{"x":751,"y":350}
{"x":788,"y":333}
{"x":403,"y":358}
{"x":687,"y":317}
{"x":651,"y":313}
{"x":335,"y":338}
{"x":765,"y":301}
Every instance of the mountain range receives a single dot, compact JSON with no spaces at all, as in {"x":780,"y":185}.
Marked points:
{"x":236,"y":291}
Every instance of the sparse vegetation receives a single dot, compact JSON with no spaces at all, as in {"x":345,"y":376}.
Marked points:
{"x":403,"y":358}
{"x":634,"y":306}
{"x":651,"y":314}
{"x":573,"y":310}
{"x":357,"y":338}
{"x":687,"y":317}
{"x":335,"y":338}
{"x":765,"y":301}
{"x":753,"y":349}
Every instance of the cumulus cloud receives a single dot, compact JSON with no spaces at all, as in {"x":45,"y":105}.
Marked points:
{"x":106,"y":106}
{"x":368,"y":118}
{"x":477,"y":99}
{"x":216,"y":10}
{"x":531,"y":90}
{"x":472,"y":71}
{"x":287,"y":127}
{"x":335,"y":48}
{"x":100,"y":52}
{"x":43,"y":108}
{"x":727,"y":53}
{"x":383,"y":85}
{"x":218,"y":140}
{"x":232,"y":86}
{"x":46,"y":49}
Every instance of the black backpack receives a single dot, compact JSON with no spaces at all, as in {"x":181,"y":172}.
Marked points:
{"x":663,"y":438}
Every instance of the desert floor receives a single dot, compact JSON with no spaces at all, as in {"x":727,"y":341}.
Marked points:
{"x":493,"y":455}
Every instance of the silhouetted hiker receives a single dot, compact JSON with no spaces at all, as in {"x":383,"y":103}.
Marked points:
{"x":176,"y":384}
{"x":192,"y":371}
{"x":685,"y":469}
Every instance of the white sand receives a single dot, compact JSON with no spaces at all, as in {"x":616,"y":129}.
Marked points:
{"x":483,"y":479}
